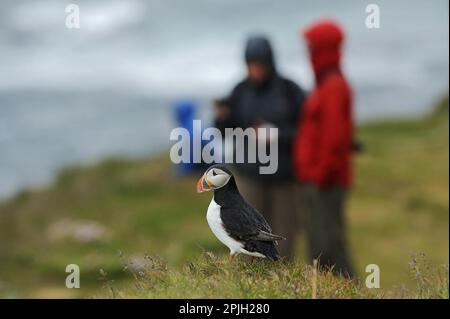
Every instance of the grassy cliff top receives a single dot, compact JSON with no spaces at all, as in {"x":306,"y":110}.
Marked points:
{"x":114,"y":218}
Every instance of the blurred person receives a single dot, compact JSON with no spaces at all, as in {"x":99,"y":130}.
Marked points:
{"x":323,"y":147}
{"x":266,"y":99}
{"x":184,"y":114}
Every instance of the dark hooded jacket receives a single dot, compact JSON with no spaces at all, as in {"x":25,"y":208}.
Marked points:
{"x":277,"y":101}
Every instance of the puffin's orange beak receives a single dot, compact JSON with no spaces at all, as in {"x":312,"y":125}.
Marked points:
{"x":203,"y":185}
{"x":200,"y":185}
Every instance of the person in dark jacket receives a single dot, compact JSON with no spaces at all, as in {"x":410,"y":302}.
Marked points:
{"x":323,"y":148}
{"x":266,"y":99}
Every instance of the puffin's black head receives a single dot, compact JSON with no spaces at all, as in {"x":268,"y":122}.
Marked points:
{"x":216,"y":176}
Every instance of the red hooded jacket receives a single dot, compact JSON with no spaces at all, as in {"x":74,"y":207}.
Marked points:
{"x":323,"y":144}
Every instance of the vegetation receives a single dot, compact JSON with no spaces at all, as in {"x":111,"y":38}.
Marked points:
{"x":210,"y":276}
{"x":137,"y":230}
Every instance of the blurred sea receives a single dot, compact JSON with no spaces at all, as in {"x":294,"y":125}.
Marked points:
{"x":70,"y":96}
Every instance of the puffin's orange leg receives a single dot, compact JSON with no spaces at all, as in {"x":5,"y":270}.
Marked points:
{"x":231,"y":257}
{"x":252,"y":258}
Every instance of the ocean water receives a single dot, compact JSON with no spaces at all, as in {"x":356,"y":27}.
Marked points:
{"x":75,"y":96}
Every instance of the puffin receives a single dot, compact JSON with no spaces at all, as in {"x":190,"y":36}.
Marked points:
{"x":233,"y":220}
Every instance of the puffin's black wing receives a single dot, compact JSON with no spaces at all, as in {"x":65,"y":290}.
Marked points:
{"x":246,"y":225}
{"x":244,"y":222}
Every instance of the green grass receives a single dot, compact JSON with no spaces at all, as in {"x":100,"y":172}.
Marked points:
{"x":398,"y":209}
{"x":209,"y":276}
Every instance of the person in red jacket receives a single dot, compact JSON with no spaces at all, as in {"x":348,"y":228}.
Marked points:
{"x":323,"y":147}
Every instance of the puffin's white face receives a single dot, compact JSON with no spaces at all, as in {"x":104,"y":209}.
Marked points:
{"x":213,"y":178}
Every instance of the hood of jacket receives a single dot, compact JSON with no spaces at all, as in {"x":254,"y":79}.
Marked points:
{"x":324,"y":40}
{"x":258,"y":49}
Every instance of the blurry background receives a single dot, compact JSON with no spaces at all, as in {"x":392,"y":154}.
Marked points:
{"x":71,"y":97}
{"x":77,"y":95}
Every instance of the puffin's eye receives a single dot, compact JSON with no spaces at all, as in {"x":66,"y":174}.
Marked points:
{"x":214,"y":173}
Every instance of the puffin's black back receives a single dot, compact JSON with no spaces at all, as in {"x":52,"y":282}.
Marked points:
{"x":228,"y":194}
{"x":242,"y":221}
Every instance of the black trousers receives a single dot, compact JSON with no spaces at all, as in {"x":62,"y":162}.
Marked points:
{"x":325,"y":226}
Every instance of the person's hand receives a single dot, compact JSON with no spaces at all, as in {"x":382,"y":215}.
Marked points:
{"x":221,"y":112}
{"x":269,"y":138}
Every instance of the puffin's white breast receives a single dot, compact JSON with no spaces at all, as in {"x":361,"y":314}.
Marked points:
{"x":216,"y":225}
